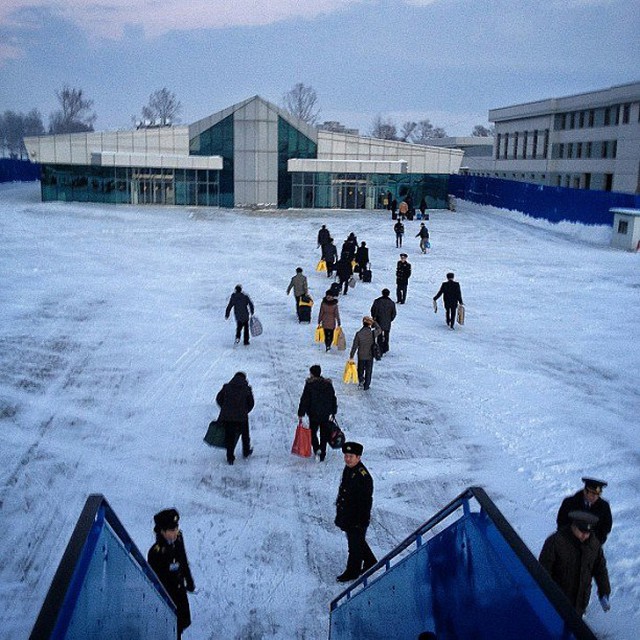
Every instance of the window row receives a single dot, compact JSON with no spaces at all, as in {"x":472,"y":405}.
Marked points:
{"x":588,"y":118}
{"x":522,"y":144}
{"x":597,"y":149}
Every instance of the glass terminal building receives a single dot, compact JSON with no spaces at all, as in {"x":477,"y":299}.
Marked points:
{"x":252,"y":154}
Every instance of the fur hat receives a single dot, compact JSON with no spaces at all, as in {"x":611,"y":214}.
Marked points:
{"x":166,"y":519}
{"x":353,"y":447}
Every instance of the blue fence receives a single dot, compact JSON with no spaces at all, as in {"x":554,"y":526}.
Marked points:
{"x":473,"y":578}
{"x":538,"y":201}
{"x":104,"y":588}
{"x":12,"y":170}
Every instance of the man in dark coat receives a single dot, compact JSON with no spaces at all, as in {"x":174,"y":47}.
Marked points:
{"x":383,"y":311}
{"x":403,"y":273}
{"x":236,"y":402}
{"x":168,"y":558}
{"x":330,"y":256}
{"x":398,"y":227}
{"x":353,"y":511}
{"x":349,"y":247}
{"x":242,"y":310}
{"x":323,"y":236}
{"x":589,"y":499}
{"x":344,"y":269}
{"x":363,"y":343}
{"x":452,"y":296}
{"x":362,"y":258}
{"x":423,"y":234}
{"x":319,"y":402}
{"x":573,"y":557}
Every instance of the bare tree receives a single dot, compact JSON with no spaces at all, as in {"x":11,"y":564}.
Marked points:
{"x":163,"y":106}
{"x":384,"y":128}
{"x":406,"y":133}
{"x":425,"y":131}
{"x":301,"y":101}
{"x":14,"y":127}
{"x":483,"y":132}
{"x":75,"y":115}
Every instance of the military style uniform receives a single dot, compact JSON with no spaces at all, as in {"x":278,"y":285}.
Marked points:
{"x":403,"y":273}
{"x":169,"y":561}
{"x":353,"y":512}
{"x":600,"y":508}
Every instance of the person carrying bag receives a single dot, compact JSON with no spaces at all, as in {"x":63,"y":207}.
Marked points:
{"x":302,"y":441}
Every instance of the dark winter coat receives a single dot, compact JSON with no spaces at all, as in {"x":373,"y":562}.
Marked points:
{"x":573,"y":564}
{"x":403,"y":272}
{"x":383,"y":311}
{"x":299,"y":285}
{"x":363,"y":342}
{"x":355,"y":498}
{"x":398,"y":227}
{"x":423,"y":233}
{"x":452,"y":296}
{"x":349,"y":248}
{"x":599,"y":508}
{"x":423,"y":205}
{"x":329,"y":316}
{"x":329,"y":253}
{"x":235,"y":400}
{"x":318,"y":400}
{"x":344,"y":269}
{"x":169,"y":562}
{"x":242,"y":306}
{"x":362,"y":256}
{"x":323,"y":236}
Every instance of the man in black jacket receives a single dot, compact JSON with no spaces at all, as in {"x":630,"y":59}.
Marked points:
{"x":344,"y":269}
{"x":168,"y":558}
{"x":403,"y":273}
{"x":383,"y":311}
{"x":330,"y":256}
{"x":319,"y":402}
{"x":236,"y":402}
{"x":452,"y":296}
{"x":353,"y":511}
{"x":242,"y":310}
{"x":589,"y":499}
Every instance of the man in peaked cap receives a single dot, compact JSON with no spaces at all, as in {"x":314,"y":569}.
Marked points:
{"x":168,"y":558}
{"x":589,"y":499}
{"x":573,"y":557}
{"x":353,"y":511}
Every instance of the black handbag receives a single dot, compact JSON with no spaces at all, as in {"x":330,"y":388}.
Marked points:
{"x":215,"y":436}
{"x":376,"y":350}
{"x":336,"y":436}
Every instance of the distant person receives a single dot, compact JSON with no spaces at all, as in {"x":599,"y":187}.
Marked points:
{"x":349,"y":247}
{"x":389,"y":199}
{"x":236,"y":401}
{"x":353,"y":511}
{"x":403,"y":273}
{"x":362,"y":258}
{"x":398,"y":227}
{"x":344,"y":270}
{"x":573,"y":557}
{"x":423,"y":234}
{"x":330,"y":256}
{"x":394,"y":209}
{"x":423,"y":206}
{"x":242,"y":310}
{"x":300,"y":288}
{"x":452,"y":296}
{"x":403,"y":210}
{"x":319,"y":402}
{"x":168,"y":559}
{"x":329,"y":317}
{"x":383,"y":311}
{"x":363,"y":346}
{"x":589,"y":499}
{"x":323,"y":236}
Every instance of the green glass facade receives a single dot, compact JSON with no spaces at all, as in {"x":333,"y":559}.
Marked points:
{"x":218,"y":141}
{"x":365,"y":190}
{"x":130,"y":185}
{"x":291,"y":144}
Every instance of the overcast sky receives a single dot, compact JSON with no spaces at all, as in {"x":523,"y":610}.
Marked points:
{"x":446,"y":60}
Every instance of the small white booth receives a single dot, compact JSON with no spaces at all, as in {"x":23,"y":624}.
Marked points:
{"x":626,"y":229}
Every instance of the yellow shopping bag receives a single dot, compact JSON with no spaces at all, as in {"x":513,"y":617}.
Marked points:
{"x":336,"y":334}
{"x":319,"y":337}
{"x":350,"y":375}
{"x":322,"y":266}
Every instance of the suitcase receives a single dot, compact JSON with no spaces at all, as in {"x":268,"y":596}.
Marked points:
{"x":304,"y":313}
{"x":366,"y":275}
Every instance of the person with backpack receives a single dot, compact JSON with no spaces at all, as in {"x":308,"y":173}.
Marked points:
{"x":319,"y":402}
{"x":362,"y":258}
{"x":398,"y":227}
{"x":363,"y":344}
{"x":330,"y":256}
{"x":235,"y":400}
{"x":242,"y":310}
{"x":423,"y":234}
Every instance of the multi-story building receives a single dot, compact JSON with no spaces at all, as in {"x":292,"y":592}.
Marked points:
{"x":585,"y":141}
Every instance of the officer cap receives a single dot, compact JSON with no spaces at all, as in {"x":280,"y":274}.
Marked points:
{"x":594,"y":485}
{"x":352,"y":447}
{"x":166,"y":519}
{"x":584,"y":520}
{"x":404,"y":255}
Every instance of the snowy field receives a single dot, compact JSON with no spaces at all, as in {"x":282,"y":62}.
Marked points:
{"x":113,"y":344}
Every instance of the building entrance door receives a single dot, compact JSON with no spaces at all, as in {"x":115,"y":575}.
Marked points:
{"x":349,"y":194}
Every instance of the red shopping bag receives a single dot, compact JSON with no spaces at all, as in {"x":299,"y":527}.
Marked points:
{"x":302,"y":441}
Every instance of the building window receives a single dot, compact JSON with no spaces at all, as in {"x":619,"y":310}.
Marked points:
{"x":515,"y":145}
{"x":559,"y":121}
{"x":570,"y":150}
{"x":626,"y":112}
{"x":545,"y":149}
{"x":587,"y":181}
{"x":498,"y":140}
{"x":592,"y":118}
{"x":572,"y":120}
{"x":561,"y":150}
{"x":579,"y":150}
{"x":608,"y":181}
{"x":525,"y":140}
{"x":581,"y":120}
{"x":623,"y":227}
{"x":534,"y":149}
{"x":588,"y":150}
{"x":614,"y":148}
{"x":615,"y":114}
{"x":600,"y":116}
{"x":506,"y":146}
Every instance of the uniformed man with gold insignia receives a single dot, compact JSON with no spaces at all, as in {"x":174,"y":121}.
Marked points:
{"x":589,"y":499}
{"x":353,"y":511}
{"x":168,"y":559}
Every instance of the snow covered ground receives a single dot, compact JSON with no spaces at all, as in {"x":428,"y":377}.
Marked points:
{"x":113,"y":344}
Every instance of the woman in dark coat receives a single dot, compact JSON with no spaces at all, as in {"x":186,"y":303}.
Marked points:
{"x":236,"y":402}
{"x":362,"y":258}
{"x":329,"y":318}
